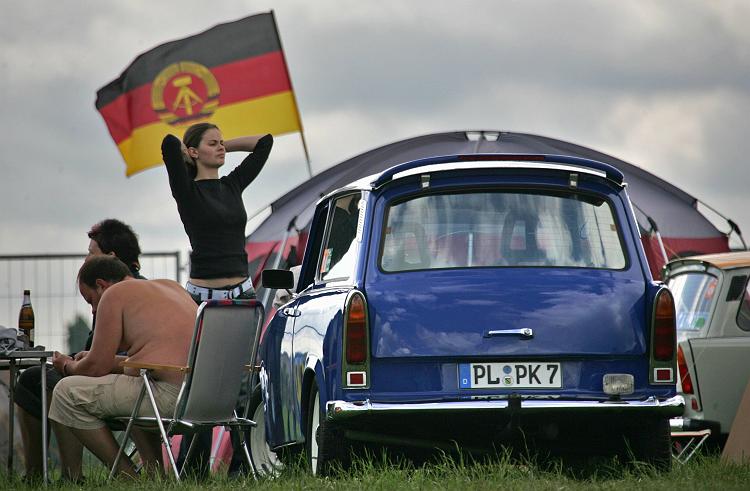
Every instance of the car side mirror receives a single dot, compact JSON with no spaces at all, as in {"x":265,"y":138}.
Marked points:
{"x":277,"y":279}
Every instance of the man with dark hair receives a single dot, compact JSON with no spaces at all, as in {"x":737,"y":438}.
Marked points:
{"x":108,"y":270}
{"x":152,"y":321}
{"x":108,"y":237}
{"x":113,"y":237}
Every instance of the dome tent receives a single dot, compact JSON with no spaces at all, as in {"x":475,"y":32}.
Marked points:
{"x":660,"y":207}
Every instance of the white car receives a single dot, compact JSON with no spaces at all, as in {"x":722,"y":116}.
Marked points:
{"x":712,"y":302}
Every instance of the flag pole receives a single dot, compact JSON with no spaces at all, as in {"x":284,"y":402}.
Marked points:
{"x":294,"y":96}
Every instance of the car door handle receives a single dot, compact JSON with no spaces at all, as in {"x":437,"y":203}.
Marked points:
{"x":525,"y":333}
{"x":291,"y":312}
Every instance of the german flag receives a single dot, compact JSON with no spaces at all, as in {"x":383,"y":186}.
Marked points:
{"x":233,"y":75}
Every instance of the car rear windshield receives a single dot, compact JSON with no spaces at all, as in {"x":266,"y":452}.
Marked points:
{"x":694,"y":298}
{"x":501,"y":229}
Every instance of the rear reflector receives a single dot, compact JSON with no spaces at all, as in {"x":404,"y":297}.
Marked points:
{"x":664,"y":327}
{"x":685,"y":380}
{"x":356,"y":379}
{"x":694,"y":404}
{"x":663,"y":375}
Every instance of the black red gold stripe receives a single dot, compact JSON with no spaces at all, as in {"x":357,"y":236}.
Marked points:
{"x":220,"y":45}
{"x":261,"y":76}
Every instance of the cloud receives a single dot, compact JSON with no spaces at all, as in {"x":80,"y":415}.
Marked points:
{"x":660,"y":84}
{"x":689,"y":139}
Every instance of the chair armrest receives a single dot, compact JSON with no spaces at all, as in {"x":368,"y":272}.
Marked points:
{"x":153,"y":366}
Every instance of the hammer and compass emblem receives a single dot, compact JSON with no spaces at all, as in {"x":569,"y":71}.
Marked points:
{"x":184,"y":92}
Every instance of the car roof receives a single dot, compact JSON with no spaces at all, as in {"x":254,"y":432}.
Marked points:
{"x":723,"y":260}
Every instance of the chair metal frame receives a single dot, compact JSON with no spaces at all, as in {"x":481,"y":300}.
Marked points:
{"x":189,"y":415}
{"x":688,"y":442}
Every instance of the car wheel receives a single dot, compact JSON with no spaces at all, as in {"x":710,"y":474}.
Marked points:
{"x":265,"y":460}
{"x":650,"y":442}
{"x":324,"y":443}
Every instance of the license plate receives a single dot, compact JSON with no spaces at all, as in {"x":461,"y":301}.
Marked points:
{"x":509,"y":375}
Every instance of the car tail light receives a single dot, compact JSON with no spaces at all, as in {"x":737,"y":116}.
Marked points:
{"x":356,"y":330}
{"x":518,"y":158}
{"x":355,"y":365}
{"x":664,"y":327}
{"x":685,"y":380}
{"x":663,"y":340}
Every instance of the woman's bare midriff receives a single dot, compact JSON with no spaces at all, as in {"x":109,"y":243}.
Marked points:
{"x":217,"y":282}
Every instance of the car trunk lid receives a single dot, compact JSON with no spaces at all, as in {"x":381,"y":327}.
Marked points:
{"x":481,"y":312}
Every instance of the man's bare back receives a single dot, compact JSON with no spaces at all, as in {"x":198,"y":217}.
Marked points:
{"x":151,"y":320}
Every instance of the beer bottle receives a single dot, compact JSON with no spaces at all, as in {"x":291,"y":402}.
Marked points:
{"x":26,"y":318}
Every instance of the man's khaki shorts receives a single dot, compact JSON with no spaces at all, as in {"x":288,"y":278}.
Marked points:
{"x":84,"y":402}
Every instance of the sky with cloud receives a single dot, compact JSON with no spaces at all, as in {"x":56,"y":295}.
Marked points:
{"x":664,"y":85}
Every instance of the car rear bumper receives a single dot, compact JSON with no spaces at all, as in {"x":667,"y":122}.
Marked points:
{"x":692,"y":424}
{"x":343,"y":410}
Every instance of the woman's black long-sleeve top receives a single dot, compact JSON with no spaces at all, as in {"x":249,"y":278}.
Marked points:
{"x":212,"y":210}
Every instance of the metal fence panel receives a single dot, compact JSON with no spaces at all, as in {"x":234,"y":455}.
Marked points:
{"x":54,"y":292}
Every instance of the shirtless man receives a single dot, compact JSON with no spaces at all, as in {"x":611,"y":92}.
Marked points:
{"x":150,"y":320}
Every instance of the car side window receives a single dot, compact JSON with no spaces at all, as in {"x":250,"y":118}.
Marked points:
{"x":316,"y":242}
{"x":338,"y":255}
{"x":743,"y":315}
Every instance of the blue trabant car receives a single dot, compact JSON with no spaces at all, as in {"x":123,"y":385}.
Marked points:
{"x":473,"y":301}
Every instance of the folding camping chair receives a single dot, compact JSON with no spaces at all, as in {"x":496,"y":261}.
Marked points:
{"x":225,"y":342}
{"x":686,"y":443}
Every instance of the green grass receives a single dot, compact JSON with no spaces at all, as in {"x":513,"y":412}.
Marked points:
{"x":702,"y":472}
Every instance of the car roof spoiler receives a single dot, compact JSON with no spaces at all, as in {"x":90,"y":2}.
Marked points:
{"x":499,"y":161}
